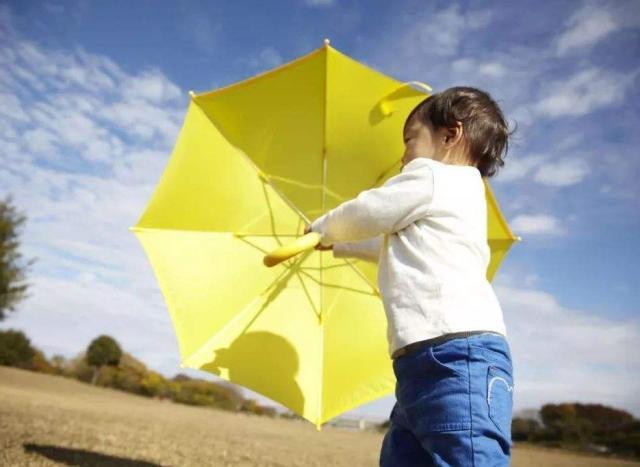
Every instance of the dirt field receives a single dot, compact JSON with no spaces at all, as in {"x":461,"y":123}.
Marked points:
{"x":51,"y":420}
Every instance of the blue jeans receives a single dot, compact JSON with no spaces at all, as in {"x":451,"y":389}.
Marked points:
{"x":453,"y":406}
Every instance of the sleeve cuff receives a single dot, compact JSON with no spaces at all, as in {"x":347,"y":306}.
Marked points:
{"x":316,"y":226}
{"x":341,"y":250}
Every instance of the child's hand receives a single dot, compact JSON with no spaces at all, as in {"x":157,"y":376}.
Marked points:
{"x":319,"y":246}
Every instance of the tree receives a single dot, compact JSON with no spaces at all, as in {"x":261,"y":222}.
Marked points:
{"x":59,"y":363}
{"x":12,"y":273}
{"x":103,"y":350}
{"x":15,"y":349}
{"x":591,"y":425}
{"x":524,"y":429}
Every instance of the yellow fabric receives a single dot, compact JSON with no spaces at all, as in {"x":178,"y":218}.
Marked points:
{"x":254,"y":162}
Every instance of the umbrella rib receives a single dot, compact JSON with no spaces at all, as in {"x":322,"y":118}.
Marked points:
{"x":325,"y":101}
{"x":245,"y":309}
{"x":308,"y":185}
{"x":308,"y":294}
{"x":314,"y":268}
{"x":362,"y":276}
{"x":336,"y":286}
{"x":254,"y":246}
{"x":250,"y":223}
{"x":241,"y":234}
{"x":335,"y":300}
{"x":280,"y":285}
{"x":271,"y":218}
{"x":262,"y":175}
{"x":266,"y":179}
{"x":269,"y":212}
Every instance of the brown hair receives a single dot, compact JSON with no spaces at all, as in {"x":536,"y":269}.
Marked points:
{"x":485,"y":130}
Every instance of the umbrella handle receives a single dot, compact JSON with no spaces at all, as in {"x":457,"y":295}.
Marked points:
{"x":404,"y":90}
{"x":284,"y":252}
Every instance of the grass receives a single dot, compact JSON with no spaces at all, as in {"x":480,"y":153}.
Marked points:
{"x":51,"y":420}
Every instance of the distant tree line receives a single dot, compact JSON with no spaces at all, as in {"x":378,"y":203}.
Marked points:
{"x":582,"y":427}
{"x":105,"y":364}
{"x":588,"y":427}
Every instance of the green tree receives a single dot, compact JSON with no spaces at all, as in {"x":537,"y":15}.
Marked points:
{"x":59,"y":363}
{"x":153,"y":384}
{"x":15,"y":349}
{"x":103,"y":350}
{"x":524,"y":429}
{"x":588,"y":425}
{"x":13,"y":289}
{"x":564,"y":423}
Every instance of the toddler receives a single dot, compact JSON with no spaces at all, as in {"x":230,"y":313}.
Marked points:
{"x":426,"y":227}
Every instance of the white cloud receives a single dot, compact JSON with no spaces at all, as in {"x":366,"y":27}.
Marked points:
{"x":151,"y":86}
{"x":544,"y":170}
{"x":570,"y":141}
{"x":492,"y":68}
{"x":586,"y":27}
{"x":439,"y":34}
{"x":10,"y":107}
{"x":516,"y":168}
{"x":321,"y":3}
{"x":536,"y":224}
{"x":39,"y":141}
{"x":564,"y":355}
{"x":201,"y":29}
{"x":267,"y":58}
{"x":271,"y":57}
{"x":584,"y":92}
{"x":564,"y":172}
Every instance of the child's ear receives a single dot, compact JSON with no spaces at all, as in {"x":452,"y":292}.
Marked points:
{"x":452,"y":133}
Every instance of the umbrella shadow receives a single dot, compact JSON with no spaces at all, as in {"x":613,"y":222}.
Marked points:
{"x":273,"y":369}
{"x":72,"y":456}
{"x":274,"y":361}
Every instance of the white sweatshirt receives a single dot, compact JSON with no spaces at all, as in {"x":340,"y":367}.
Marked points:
{"x":427,"y":229}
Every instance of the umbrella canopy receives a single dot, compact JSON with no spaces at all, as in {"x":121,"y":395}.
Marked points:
{"x":253,"y":163}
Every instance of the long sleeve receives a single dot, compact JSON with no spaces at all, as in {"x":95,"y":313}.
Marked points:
{"x":368,"y":250}
{"x":402,"y":199}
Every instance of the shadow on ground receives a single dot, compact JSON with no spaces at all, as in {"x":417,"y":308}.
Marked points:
{"x":70,"y":456}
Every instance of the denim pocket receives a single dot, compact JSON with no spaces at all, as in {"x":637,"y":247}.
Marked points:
{"x":500,"y":398}
{"x":494,"y":352}
{"x":434,"y":398}
{"x":451,"y":357}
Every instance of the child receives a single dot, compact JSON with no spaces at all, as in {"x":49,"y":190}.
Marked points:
{"x":427,"y":229}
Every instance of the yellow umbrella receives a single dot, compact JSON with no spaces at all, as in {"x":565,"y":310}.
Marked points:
{"x":254,"y":162}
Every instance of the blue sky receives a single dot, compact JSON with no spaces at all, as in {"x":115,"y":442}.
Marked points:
{"x":82,"y":163}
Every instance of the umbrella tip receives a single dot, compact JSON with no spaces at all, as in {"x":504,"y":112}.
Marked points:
{"x":192,"y":94}
{"x":327,"y":41}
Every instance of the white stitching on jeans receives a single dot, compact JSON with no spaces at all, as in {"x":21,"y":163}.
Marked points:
{"x":491,"y":381}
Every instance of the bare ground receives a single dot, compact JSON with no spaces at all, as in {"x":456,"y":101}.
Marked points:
{"x":51,"y":420}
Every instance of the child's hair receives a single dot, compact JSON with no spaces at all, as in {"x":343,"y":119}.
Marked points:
{"x":485,"y":130}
